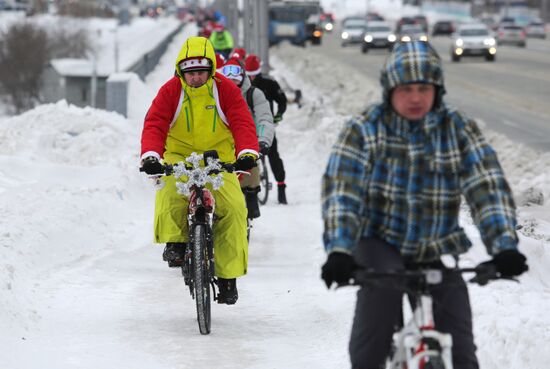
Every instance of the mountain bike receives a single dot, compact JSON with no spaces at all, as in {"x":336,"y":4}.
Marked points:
{"x":418,"y":344}
{"x":198,"y":266}
{"x":265,"y":183}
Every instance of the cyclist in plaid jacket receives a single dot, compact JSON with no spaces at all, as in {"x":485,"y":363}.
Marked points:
{"x":391,"y":197}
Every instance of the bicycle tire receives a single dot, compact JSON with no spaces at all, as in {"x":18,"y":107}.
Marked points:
{"x":435,"y":363}
{"x":201,"y":278}
{"x":265,"y":185}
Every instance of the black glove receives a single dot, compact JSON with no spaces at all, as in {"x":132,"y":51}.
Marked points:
{"x":264,"y":148}
{"x":510,"y":263}
{"x":151,"y":166}
{"x":277,"y":118}
{"x":338,"y":268}
{"x":245,"y":162}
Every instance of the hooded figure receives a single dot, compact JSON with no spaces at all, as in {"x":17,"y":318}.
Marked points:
{"x":222,"y":40}
{"x":188,"y":116}
{"x":391,"y":196}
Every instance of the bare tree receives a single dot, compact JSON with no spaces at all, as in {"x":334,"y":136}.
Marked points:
{"x":25,"y":50}
{"x":23,"y":56}
{"x":85,"y":9}
{"x":68,"y":42}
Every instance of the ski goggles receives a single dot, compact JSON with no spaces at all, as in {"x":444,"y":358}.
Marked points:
{"x":232,"y":70}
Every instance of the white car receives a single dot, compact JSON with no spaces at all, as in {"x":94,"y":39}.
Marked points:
{"x":412,"y":32}
{"x":536,"y":29}
{"x":473,"y":40}
{"x":353,"y":30}
{"x":511,"y":34}
{"x":378,"y":35}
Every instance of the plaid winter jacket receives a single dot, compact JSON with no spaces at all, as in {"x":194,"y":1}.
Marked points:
{"x":402,"y":181}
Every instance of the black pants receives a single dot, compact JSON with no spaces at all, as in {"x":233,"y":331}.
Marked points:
{"x":275,"y":162}
{"x":378,"y":312}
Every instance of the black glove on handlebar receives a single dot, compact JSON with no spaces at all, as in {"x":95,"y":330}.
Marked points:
{"x":338,"y":268}
{"x":151,"y":166}
{"x":245,"y":162}
{"x":264,"y":148}
{"x":510,"y":263}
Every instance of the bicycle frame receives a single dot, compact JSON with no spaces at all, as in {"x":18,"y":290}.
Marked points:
{"x":418,"y":345}
{"x":198,"y":266}
{"x":418,"y":341}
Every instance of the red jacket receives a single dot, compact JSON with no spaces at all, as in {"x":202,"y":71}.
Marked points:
{"x":163,"y":109}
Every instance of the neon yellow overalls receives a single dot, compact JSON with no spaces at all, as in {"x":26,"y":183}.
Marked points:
{"x":198,"y":128}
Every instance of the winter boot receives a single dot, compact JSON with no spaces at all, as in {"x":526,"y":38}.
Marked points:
{"x":228,"y":291}
{"x":174,"y":254}
{"x":251,"y":197}
{"x":281,"y":193}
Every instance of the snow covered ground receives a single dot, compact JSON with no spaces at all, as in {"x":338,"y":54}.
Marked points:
{"x":82,"y":286}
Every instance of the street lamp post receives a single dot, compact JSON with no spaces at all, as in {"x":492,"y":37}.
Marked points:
{"x":93,"y":81}
{"x":116,"y":49}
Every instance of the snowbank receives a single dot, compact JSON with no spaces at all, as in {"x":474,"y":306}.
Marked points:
{"x":67,"y":175}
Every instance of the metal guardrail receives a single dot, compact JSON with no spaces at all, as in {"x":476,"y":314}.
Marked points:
{"x":149,"y":61}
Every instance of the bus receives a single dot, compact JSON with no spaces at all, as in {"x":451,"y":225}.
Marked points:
{"x":294,"y":21}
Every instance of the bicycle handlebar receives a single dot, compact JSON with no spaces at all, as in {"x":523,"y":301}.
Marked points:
{"x":228,"y":167}
{"x":196,"y":174}
{"x":168,"y":169}
{"x":484,"y":273}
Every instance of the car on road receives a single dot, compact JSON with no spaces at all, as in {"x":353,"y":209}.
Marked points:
{"x":536,"y":28}
{"x":373,"y":16}
{"x":443,"y":27}
{"x":412,"y":32}
{"x":353,"y":29}
{"x":422,"y":20}
{"x":402,"y":21}
{"x":511,"y":34}
{"x":473,"y":40}
{"x":327,"y":22}
{"x":506,"y":21}
{"x":490,"y":22}
{"x":378,"y":35}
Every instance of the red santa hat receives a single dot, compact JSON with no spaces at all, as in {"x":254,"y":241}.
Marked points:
{"x":239,"y":53}
{"x":218,"y":27}
{"x":252,"y":65}
{"x":220,"y":61}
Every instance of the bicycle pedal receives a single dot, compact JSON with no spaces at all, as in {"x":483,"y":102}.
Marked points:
{"x":175,"y":263}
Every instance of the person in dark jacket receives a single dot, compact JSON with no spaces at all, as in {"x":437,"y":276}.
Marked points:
{"x":391,"y":196}
{"x":274,"y":93}
{"x":265,"y":129}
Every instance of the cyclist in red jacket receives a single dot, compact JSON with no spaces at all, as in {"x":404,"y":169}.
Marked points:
{"x":195,"y":111}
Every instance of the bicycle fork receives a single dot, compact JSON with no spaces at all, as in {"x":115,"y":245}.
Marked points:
{"x":423,"y":344}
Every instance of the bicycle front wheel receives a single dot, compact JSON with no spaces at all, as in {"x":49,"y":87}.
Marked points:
{"x":265,"y":185}
{"x":201,"y":278}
